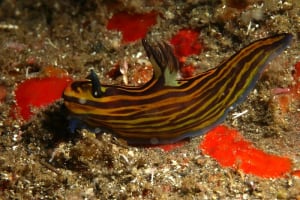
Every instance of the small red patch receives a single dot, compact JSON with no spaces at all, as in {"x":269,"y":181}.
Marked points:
{"x":132,"y":25}
{"x":285,"y":97}
{"x":295,"y":89}
{"x":38,"y":92}
{"x":230,"y":149}
{"x":141,"y":74}
{"x":167,"y":147}
{"x":297,"y":70}
{"x":186,"y":43}
{"x":187,"y":71}
{"x":296,"y":173}
{"x":3,"y":93}
{"x":170,"y":147}
{"x":284,"y":101}
{"x":114,"y":72}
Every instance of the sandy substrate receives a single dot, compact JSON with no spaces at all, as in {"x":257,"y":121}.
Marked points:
{"x":41,"y":159}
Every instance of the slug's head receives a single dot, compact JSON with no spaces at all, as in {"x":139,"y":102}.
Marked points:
{"x":88,"y":89}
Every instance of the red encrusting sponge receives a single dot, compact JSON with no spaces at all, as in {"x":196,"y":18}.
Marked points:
{"x":38,"y":92}
{"x":134,"y":26}
{"x":186,"y":43}
{"x":230,"y":149}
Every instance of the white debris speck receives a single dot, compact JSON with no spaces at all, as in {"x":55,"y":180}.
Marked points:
{"x":236,"y":114}
{"x":138,"y":54}
{"x":9,"y":27}
{"x":15,"y":137}
{"x":125,"y":158}
{"x":130,"y":153}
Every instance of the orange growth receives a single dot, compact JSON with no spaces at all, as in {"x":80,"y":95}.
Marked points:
{"x":133,"y":26}
{"x":230,"y":149}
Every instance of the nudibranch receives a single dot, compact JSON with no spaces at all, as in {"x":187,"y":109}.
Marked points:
{"x":165,"y":110}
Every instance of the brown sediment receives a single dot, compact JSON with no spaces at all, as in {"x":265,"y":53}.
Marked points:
{"x":42,"y":159}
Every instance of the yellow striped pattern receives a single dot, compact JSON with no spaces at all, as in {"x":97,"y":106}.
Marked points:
{"x":166,"y":110}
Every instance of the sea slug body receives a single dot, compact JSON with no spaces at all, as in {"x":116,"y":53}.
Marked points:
{"x":165,"y":109}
